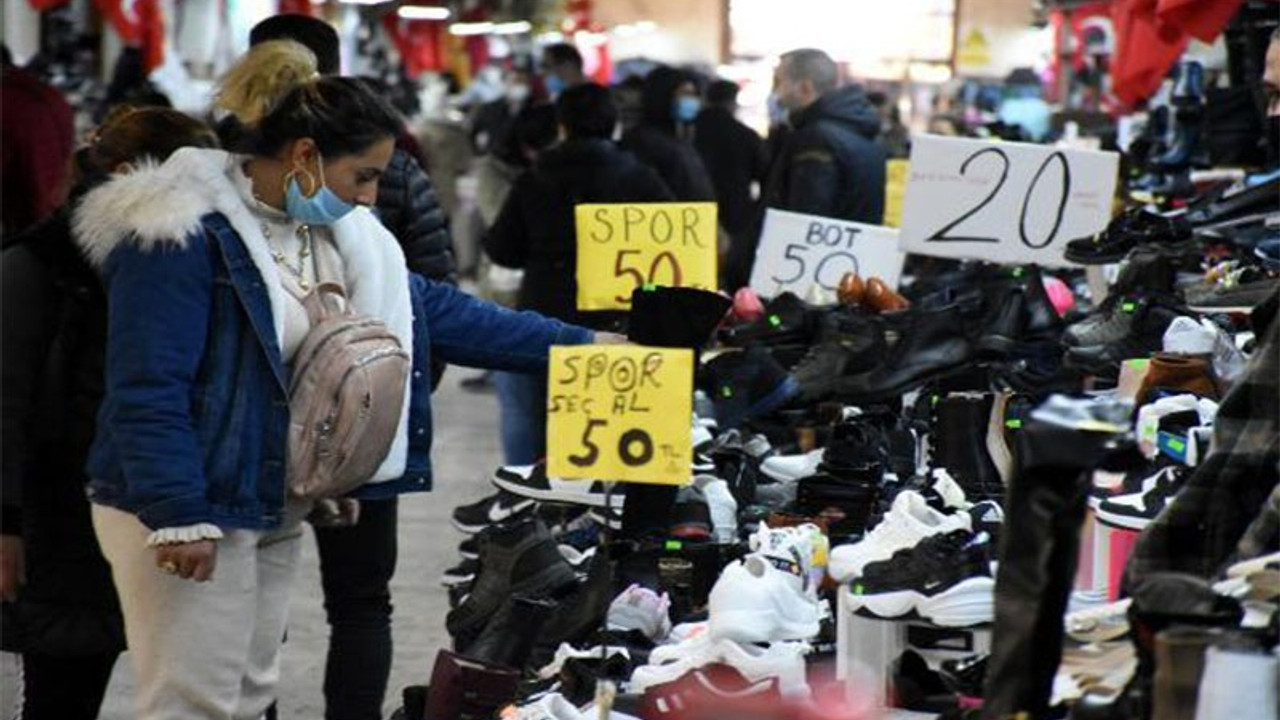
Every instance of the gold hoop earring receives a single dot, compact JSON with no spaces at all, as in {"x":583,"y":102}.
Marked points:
{"x":311,"y":179}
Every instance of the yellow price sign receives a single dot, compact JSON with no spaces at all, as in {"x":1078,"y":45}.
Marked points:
{"x":624,"y":246}
{"x":897,"y":172}
{"x":620,"y":413}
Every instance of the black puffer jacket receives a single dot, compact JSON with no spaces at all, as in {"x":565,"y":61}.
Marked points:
{"x":655,"y":143}
{"x":54,"y":325}
{"x":831,"y":164}
{"x":407,"y":205}
{"x":535,"y":229}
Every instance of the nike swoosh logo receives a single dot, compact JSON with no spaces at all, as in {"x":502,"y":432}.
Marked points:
{"x":498,"y":513}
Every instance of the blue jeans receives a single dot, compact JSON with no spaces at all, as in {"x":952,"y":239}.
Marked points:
{"x":523,"y":407}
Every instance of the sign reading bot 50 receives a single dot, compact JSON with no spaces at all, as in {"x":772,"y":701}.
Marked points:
{"x":624,"y":246}
{"x":620,"y":413}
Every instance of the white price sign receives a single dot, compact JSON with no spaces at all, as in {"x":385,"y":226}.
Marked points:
{"x":798,"y":251}
{"x":1003,"y":202}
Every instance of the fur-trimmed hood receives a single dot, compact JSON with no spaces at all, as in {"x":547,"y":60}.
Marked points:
{"x":162,"y":205}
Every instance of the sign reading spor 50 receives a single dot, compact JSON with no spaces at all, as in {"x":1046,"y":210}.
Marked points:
{"x":624,"y":246}
{"x":1003,"y":202}
{"x":620,"y":413}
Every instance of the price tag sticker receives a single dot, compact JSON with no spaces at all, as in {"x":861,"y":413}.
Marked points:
{"x":798,"y":251}
{"x":620,"y":413}
{"x":1004,"y":202}
{"x":624,"y":246}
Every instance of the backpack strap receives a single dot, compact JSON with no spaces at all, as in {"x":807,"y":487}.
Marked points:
{"x":326,"y":300}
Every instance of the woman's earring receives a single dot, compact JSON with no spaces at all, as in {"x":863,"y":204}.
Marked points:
{"x":311,"y":180}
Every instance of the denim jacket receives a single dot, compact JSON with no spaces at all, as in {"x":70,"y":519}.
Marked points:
{"x":194,"y":424}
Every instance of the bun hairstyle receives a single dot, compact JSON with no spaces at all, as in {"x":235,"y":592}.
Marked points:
{"x":276,"y":96}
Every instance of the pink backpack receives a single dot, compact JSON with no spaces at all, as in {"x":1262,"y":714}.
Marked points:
{"x":345,"y":397}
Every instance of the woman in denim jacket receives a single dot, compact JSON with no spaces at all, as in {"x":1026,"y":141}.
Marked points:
{"x":205,"y":260}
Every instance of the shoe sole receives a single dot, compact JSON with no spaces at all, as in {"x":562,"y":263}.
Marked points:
{"x":615,"y":500}
{"x":889,"y":605}
{"x":1094,"y":259}
{"x":1224,"y":308}
{"x":518,"y":511}
{"x":450,"y":581}
{"x":1123,"y":522}
{"x":971,"y":602}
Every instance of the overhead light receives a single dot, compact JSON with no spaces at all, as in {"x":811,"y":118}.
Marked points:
{"x":512,"y":28}
{"x":423,"y":12}
{"x":470,"y":28}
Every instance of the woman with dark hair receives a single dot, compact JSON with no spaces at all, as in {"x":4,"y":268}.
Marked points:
{"x":61,"y":612}
{"x":207,"y":261}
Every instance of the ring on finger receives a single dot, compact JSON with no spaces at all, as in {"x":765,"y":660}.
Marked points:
{"x":170,"y":567}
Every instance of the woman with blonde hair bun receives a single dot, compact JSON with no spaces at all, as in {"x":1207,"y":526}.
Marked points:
{"x":208,"y":261}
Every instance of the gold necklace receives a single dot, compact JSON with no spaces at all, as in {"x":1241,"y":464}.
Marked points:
{"x":304,"y":252}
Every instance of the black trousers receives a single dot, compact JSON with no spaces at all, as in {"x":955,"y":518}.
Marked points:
{"x":64,"y":687}
{"x":356,"y":565}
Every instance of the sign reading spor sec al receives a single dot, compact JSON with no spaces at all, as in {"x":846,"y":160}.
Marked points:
{"x":620,"y":413}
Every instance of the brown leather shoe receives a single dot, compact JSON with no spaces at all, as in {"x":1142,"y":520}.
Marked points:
{"x":1178,"y":374}
{"x":852,"y":290}
{"x":882,"y":299}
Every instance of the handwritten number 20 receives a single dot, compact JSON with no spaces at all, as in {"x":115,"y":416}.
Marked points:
{"x":942,"y":236}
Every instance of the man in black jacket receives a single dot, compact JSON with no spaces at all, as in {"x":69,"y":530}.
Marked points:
{"x":831,"y":164}
{"x":669,"y":102}
{"x":535,"y":229}
{"x":736,"y":158}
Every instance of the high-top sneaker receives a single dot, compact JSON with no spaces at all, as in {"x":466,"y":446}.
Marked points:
{"x":519,"y":558}
{"x":508,"y":638}
{"x":1141,"y":325}
{"x":960,"y":444}
{"x":928,"y":344}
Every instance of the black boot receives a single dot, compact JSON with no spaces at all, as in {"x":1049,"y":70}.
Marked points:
{"x":509,"y":637}
{"x":848,"y":344}
{"x":1038,"y":552}
{"x":960,"y":444}
{"x":929,"y":344}
{"x":580,"y":613}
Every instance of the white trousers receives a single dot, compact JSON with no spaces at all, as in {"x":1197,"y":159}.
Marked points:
{"x":206,"y":650}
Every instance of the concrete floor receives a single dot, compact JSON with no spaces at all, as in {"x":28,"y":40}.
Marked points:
{"x":466,"y":452}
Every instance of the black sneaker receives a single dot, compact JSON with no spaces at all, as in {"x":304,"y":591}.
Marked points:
{"x":461,"y":574}
{"x":945,"y":579}
{"x":929,"y":344}
{"x":965,"y":676}
{"x":847,"y":344}
{"x":1135,"y":511}
{"x":497,"y":508}
{"x":469,"y":549}
{"x":787,"y":321}
{"x":531,"y":482}
{"x":746,"y":384}
{"x":1146,"y":323}
{"x":1128,"y":230}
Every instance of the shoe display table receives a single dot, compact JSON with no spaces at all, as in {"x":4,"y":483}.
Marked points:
{"x":866,"y":648}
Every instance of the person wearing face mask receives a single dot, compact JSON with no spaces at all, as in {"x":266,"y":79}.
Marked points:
{"x":662,"y":140}
{"x":493,"y":120}
{"x":830,"y":164}
{"x":561,"y":68}
{"x":207,"y":261}
{"x":60,"y":613}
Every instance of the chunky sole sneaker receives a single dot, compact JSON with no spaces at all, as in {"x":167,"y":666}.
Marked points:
{"x":971,"y":602}
{"x":531,"y":481}
{"x":460,"y":574}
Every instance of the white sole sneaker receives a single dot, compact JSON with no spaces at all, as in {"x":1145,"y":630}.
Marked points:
{"x":971,"y":602}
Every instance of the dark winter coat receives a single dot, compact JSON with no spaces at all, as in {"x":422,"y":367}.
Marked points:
{"x":655,"y":143}
{"x":831,"y":164}
{"x":54,"y":326}
{"x":408,"y":206}
{"x":735,"y":157}
{"x":535,"y":230}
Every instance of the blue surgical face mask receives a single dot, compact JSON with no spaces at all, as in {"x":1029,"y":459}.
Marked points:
{"x":322,"y":208}
{"x":555,"y":85}
{"x":687,"y":108}
{"x":777,"y":113}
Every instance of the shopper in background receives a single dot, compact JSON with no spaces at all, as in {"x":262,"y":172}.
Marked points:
{"x":831,"y":164}
{"x":358,"y":562}
{"x":1023,"y":105}
{"x":36,"y":137}
{"x":670,"y":104}
{"x":561,"y":68}
{"x":895,"y":137}
{"x":535,"y":232}
{"x":61,"y":613}
{"x":493,"y":119}
{"x":736,"y":158}
{"x":207,"y":260}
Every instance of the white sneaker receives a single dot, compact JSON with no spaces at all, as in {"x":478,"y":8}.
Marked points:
{"x":949,"y":490}
{"x":567,"y":652}
{"x":789,"y":468}
{"x":548,"y":707}
{"x":1148,"y":425}
{"x":908,"y":521}
{"x":702,"y":441}
{"x":756,"y":601}
{"x":639,"y":608}
{"x":720,"y":501}
{"x":783,"y":661}
{"x":804,"y":544}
